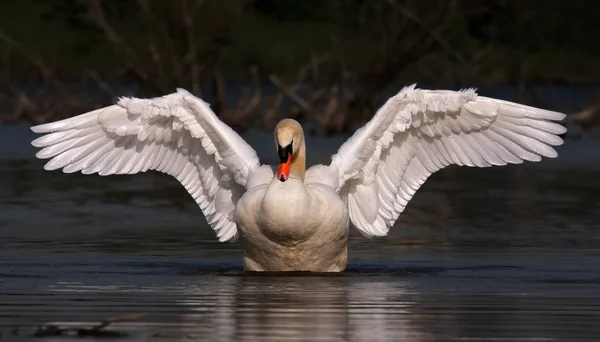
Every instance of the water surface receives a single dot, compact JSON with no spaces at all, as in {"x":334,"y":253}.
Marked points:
{"x":501,"y":254}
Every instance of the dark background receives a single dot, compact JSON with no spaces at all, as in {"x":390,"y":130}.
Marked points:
{"x":328,"y":63}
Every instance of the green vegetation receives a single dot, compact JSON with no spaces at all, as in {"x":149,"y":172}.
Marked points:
{"x":556,"y":39}
{"x":338,"y":54}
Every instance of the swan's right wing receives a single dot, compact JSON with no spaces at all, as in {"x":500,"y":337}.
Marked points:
{"x":418,"y":132}
{"x":177,"y":134}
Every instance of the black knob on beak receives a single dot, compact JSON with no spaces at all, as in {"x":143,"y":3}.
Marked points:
{"x":284,"y":152}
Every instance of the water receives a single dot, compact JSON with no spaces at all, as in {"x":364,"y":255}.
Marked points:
{"x":501,"y":254}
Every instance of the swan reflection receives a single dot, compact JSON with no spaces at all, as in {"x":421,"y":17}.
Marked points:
{"x":301,"y":308}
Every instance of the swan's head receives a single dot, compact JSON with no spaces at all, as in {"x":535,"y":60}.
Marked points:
{"x":288,"y":139}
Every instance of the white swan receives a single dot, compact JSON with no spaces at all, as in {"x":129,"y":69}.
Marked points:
{"x":292,"y":219}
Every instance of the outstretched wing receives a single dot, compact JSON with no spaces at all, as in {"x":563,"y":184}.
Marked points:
{"x":177,"y":134}
{"x":418,"y":132}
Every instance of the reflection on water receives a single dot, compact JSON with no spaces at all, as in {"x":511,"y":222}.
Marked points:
{"x":337,"y":308}
{"x":503,"y":254}
{"x":452,"y":299}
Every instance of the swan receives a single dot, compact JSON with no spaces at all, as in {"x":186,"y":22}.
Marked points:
{"x":288,"y":218}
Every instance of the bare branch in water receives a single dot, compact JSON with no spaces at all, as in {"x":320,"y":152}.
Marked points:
{"x":96,"y":330}
{"x":587,"y":119}
{"x":291,"y":93}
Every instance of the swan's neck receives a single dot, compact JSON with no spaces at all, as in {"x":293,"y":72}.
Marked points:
{"x":298,"y":166}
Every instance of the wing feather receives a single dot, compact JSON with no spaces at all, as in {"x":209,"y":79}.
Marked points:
{"x":176,"y":134}
{"x":418,"y":132}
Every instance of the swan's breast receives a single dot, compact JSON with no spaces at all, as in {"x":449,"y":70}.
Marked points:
{"x":285,"y":212}
{"x":293,"y":227}
{"x":291,"y":212}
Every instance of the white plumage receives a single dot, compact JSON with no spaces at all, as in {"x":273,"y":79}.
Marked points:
{"x":418,"y":132}
{"x":177,"y":134}
{"x":374,"y":174}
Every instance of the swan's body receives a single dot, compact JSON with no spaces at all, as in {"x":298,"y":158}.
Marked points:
{"x":292,"y":218}
{"x":293,"y":225}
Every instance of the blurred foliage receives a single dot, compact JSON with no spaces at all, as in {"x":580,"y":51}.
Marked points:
{"x":557,"y":39}
{"x":346,"y":51}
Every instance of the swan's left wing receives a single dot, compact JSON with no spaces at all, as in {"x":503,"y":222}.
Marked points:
{"x":177,"y":134}
{"x":418,"y":132}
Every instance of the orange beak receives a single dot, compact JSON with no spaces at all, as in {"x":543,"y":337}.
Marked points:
{"x":284,"y":168}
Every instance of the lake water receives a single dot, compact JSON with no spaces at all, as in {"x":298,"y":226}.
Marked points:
{"x":500,"y":254}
